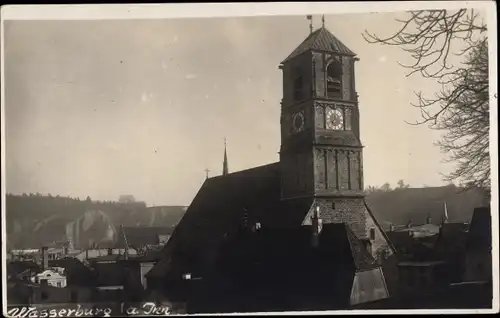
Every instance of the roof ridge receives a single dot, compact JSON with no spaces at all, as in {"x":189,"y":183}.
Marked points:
{"x":245,"y":170}
{"x":318,"y":32}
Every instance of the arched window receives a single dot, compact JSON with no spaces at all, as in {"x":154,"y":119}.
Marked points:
{"x":334,"y":79}
{"x":298,"y":85}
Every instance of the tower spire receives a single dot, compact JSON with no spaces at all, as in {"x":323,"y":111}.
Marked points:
{"x":225,"y":169}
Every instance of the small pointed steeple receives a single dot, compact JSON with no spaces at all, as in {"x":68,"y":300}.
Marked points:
{"x":225,"y":169}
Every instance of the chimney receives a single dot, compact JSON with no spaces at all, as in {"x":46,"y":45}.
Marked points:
{"x":45,"y":257}
{"x":316,"y":227}
{"x":429,"y":220}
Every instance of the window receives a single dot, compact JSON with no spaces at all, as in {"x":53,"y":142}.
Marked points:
{"x":333,"y":205}
{"x":43,"y":282}
{"x":59,"y":284}
{"x":298,"y":85}
{"x":334,"y":79}
{"x":372,"y":234}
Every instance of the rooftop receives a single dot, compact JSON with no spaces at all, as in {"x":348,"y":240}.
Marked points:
{"x":321,"y":40}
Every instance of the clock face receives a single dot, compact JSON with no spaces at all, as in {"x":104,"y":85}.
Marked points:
{"x":334,"y":119}
{"x":298,"y":122}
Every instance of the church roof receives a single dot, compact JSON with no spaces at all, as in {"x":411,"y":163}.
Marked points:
{"x":217,"y":208}
{"x":321,"y":40}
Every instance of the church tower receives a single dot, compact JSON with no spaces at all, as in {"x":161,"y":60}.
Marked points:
{"x":321,"y":151}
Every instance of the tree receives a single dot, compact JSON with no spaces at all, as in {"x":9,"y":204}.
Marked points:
{"x":402,"y":185}
{"x":386,"y":187}
{"x":126,"y":198}
{"x":461,"y":107}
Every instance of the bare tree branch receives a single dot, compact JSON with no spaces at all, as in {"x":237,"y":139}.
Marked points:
{"x":461,"y":107}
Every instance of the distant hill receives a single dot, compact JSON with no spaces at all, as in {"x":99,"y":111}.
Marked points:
{"x":33,"y":221}
{"x":399,"y":206}
{"x":38,"y":220}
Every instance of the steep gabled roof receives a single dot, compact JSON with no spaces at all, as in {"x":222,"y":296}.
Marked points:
{"x":451,"y":239}
{"x":479,"y":237}
{"x":321,"y":40}
{"x":341,"y":241}
{"x":215,"y":210}
{"x":377,"y":224}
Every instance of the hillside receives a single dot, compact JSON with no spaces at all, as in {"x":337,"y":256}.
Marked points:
{"x":36,"y":220}
{"x":399,"y":206}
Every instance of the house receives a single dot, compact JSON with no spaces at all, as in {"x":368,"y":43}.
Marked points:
{"x":478,"y":263}
{"x":77,"y":273}
{"x":319,"y":175}
{"x":408,"y":247}
{"x":27,"y":293}
{"x":51,"y":277}
{"x":122,"y":277}
{"x":420,"y":277}
{"x":416,"y":269}
{"x":450,"y":247}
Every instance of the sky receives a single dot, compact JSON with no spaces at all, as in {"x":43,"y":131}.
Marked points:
{"x":103,"y":108}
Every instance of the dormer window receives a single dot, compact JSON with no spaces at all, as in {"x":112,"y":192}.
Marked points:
{"x":334,"y":79}
{"x":298,"y":85}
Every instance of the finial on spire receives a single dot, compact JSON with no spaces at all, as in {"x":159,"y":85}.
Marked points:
{"x":323,"y":20}
{"x":206,"y":172}
{"x":310,"y":18}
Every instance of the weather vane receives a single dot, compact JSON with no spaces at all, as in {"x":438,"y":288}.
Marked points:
{"x":310,"y":18}
{"x":206,"y":172}
{"x":323,"y":20}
